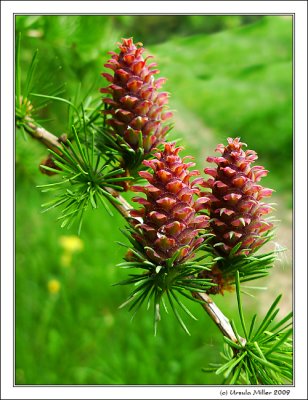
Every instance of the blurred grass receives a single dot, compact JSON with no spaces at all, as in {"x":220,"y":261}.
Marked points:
{"x":235,"y":82}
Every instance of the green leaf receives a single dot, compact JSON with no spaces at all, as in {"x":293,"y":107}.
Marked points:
{"x":176,"y":313}
{"x":279,"y":342}
{"x":270,"y":315}
{"x":182,"y":305}
{"x":142,"y":297}
{"x":239,"y":303}
{"x":209,"y":369}
{"x":80,"y":149}
{"x":235,"y":249}
{"x":230,"y":365}
{"x":264,"y":361}
{"x":234,"y":380}
{"x":283,"y":321}
{"x":52,"y":169}
{"x":57,"y":99}
{"x":252,"y":325}
{"x":31,"y":73}
{"x":232,"y":344}
{"x":75,"y":101}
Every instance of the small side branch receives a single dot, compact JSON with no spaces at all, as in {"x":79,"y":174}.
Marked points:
{"x":55,"y":143}
{"x":123,"y":208}
{"x":46,"y":138}
{"x":218,"y":317}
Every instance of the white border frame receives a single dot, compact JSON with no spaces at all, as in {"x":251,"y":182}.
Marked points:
{"x":299,"y":8}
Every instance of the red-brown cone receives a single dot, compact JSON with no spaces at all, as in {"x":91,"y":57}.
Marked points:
{"x":236,"y":210}
{"x":170,"y":223}
{"x":136,"y":106}
{"x":48,"y":162}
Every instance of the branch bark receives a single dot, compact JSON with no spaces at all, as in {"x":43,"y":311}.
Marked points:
{"x":218,"y":317}
{"x":53,"y":142}
{"x":46,"y":138}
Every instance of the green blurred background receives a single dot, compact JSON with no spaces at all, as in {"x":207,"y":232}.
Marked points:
{"x":228,"y":76}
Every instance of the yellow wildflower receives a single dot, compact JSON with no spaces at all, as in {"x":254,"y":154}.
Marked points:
{"x":66,"y":259}
{"x":54,"y":286}
{"x":71,"y":243}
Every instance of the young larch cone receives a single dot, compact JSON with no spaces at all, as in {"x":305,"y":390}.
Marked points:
{"x":136,"y":107}
{"x":48,"y":162}
{"x":236,"y":210}
{"x":170,"y":223}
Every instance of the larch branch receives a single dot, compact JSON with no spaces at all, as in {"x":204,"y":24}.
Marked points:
{"x":55,"y":143}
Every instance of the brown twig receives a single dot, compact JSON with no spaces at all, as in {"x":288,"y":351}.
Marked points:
{"x":123,"y":208}
{"x":48,"y":139}
{"x":55,"y":143}
{"x":218,"y":317}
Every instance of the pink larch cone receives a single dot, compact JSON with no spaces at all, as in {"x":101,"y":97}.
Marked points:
{"x":136,"y":108}
{"x":170,"y":223}
{"x":236,"y":210}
